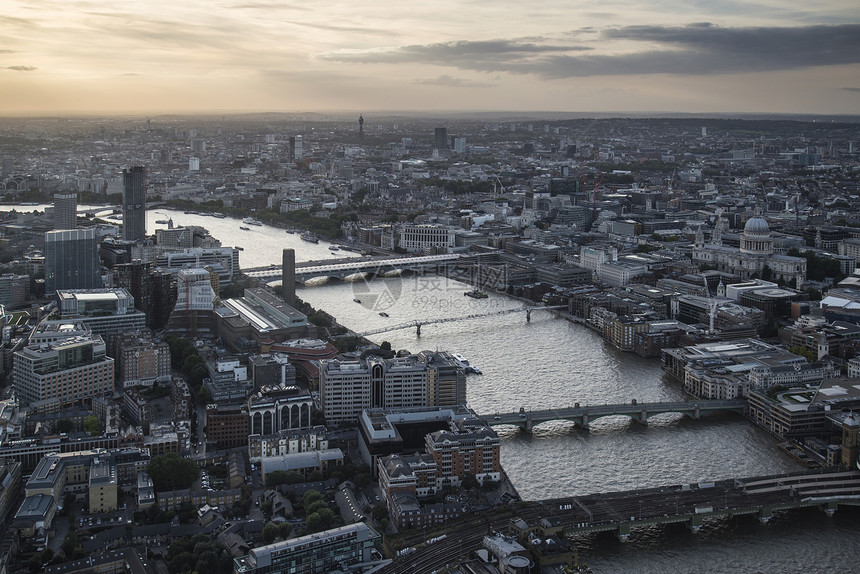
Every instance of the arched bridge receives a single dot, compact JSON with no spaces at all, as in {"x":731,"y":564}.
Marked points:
{"x":640,"y":412}
{"x":345,"y":267}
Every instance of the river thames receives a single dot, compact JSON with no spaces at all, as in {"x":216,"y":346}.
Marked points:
{"x":550,"y":362}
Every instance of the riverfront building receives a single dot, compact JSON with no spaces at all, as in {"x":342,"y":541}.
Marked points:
{"x":223,"y":261}
{"x":349,"y":387}
{"x":728,"y":370}
{"x":446,"y":379}
{"x":419,"y":238}
{"x":318,"y":553}
{"x":467,"y":447}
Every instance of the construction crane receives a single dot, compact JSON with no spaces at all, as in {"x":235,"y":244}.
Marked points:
{"x":501,"y":186}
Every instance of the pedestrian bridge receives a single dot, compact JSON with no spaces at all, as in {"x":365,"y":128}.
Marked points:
{"x":582,"y":416}
{"x":343,"y":268}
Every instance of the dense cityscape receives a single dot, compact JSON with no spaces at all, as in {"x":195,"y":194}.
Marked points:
{"x":174,"y":401}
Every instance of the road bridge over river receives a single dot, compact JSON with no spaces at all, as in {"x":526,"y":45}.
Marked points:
{"x":583,"y":415}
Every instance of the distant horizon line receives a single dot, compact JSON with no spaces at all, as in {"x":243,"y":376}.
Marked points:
{"x":486,"y":114}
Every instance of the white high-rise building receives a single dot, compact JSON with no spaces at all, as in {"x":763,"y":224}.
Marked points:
{"x":194,"y":164}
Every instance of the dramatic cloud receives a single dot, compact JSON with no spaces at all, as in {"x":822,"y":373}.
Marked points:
{"x":700,"y":49}
{"x":451,"y":81}
{"x":91,"y":55}
{"x":485,"y":55}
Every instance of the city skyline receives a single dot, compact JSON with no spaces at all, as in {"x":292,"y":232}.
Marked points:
{"x":256,"y":56}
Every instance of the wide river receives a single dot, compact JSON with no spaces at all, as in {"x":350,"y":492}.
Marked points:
{"x":550,"y":362}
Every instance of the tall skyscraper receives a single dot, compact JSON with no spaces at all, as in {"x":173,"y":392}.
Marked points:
{"x":133,"y":203}
{"x":71,"y":260}
{"x":299,"y":151}
{"x":360,"y":130}
{"x":65,"y":210}
{"x":440,"y":139}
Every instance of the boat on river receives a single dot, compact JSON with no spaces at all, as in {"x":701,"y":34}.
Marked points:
{"x":310,"y":237}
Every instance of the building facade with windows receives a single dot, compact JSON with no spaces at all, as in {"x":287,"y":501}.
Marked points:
{"x":349,"y":387}
{"x":72,"y":260}
{"x":134,"y":203}
{"x":67,"y":371}
{"x":319,"y":553}
{"x":414,"y":238}
{"x":142,"y":361}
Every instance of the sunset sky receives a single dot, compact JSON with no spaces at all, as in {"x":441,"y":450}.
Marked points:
{"x":154,"y":56}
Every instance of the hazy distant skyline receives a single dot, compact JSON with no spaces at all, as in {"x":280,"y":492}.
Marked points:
{"x":694,"y":56}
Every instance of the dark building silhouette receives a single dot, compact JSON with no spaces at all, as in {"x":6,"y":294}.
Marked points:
{"x":440,"y":141}
{"x":134,"y":278}
{"x":360,"y":130}
{"x":162,"y":298}
{"x":134,"y":203}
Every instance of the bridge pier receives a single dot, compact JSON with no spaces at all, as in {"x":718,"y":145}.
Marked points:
{"x":697,"y":412}
{"x":418,"y":330}
{"x":623,"y":532}
{"x":584,"y":421}
{"x":529,"y":424}
{"x":696,"y":522}
{"x":765,"y":515}
{"x":830,"y":509}
{"x":643,"y":418}
{"x":528,"y":315}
